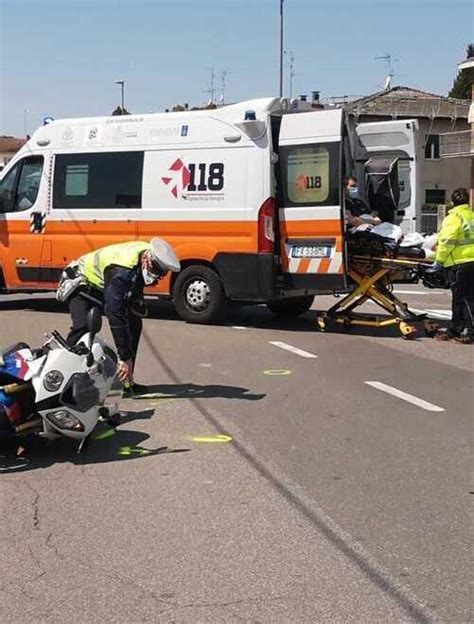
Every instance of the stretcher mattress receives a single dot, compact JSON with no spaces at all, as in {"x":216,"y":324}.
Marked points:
{"x":373,"y":245}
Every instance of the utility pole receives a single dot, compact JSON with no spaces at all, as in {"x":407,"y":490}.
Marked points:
{"x":281,"y":48}
{"x":292,"y":72}
{"x":122,"y":85}
{"x":25,"y":121}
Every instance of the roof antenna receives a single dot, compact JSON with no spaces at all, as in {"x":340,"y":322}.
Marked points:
{"x":390,"y":61}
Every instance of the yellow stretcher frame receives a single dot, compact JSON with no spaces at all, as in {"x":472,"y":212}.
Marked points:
{"x":374,"y":277}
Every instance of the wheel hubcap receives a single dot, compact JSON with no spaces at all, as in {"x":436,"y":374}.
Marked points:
{"x":198,"y":295}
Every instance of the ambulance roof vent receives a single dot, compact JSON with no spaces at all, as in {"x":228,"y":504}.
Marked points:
{"x":43,"y":142}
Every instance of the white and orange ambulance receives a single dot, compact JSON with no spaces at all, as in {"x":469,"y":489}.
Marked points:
{"x":249,"y":195}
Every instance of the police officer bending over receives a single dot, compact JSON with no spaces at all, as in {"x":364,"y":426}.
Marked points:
{"x":455,"y":255}
{"x":115,"y":277}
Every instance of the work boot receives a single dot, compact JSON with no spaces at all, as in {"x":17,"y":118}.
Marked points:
{"x":443,"y":335}
{"x":134,"y":390}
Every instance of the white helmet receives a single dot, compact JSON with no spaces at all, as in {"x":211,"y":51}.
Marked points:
{"x":163,"y":256}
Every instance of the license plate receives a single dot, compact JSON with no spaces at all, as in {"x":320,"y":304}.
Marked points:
{"x":310,"y":251}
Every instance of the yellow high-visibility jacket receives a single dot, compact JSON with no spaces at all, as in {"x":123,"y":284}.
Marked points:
{"x":455,"y":240}
{"x":92,"y":266}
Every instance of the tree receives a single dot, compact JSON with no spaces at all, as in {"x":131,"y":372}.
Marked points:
{"x":120,"y":111}
{"x":462,"y":84}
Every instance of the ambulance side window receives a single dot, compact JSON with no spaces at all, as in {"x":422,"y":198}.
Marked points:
{"x":100,"y":180}
{"x":310,"y":174}
{"x":19,"y":188}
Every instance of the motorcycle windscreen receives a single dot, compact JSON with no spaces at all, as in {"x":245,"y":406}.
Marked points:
{"x":310,"y":219}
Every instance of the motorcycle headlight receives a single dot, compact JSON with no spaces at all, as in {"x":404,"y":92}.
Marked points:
{"x":53,"y":380}
{"x":65,"y":420}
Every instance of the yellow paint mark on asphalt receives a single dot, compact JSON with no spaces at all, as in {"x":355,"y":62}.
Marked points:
{"x":277,"y":371}
{"x":211,"y":439}
{"x":132,"y":450}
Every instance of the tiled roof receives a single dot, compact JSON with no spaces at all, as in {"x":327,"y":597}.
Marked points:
{"x":11,"y":144}
{"x":407,"y":102}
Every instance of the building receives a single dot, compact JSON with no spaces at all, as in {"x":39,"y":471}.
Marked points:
{"x":436,"y":115}
{"x":461,"y":144}
{"x":8,"y":148}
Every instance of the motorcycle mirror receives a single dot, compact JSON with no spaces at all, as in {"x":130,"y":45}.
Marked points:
{"x":94,"y":323}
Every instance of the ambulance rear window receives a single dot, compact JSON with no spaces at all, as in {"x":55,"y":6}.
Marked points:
{"x":310,"y":174}
{"x":104,"y":180}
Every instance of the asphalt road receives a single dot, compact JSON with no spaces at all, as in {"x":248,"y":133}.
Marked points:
{"x":335,"y":500}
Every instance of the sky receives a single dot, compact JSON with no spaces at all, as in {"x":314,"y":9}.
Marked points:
{"x":61,"y":58}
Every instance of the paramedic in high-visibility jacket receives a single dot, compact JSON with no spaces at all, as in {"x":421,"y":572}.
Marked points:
{"x":115,"y":276}
{"x":455,"y":253}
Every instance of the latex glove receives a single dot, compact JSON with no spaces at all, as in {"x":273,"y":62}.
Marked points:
{"x":435,"y":267}
{"x":125,"y":371}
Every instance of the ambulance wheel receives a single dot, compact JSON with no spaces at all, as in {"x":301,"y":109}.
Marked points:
{"x":290,"y":308}
{"x":199,"y":295}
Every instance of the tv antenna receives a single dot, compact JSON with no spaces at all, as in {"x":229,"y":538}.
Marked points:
{"x":390,"y":61}
{"x":224,"y":75}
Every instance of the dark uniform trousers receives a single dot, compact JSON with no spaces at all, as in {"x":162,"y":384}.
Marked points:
{"x":461,"y":281}
{"x":79,"y":307}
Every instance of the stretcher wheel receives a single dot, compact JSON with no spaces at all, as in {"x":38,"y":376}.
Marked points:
{"x":408,"y":331}
{"x":430,"y":327}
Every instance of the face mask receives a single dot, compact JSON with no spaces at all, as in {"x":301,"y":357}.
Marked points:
{"x":149,"y":277}
{"x":353,"y":191}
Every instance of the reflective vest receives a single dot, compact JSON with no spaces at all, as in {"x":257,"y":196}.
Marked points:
{"x":456,"y":237}
{"x":92,"y":266}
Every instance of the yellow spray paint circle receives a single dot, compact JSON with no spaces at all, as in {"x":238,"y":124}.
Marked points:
{"x":277,"y":371}
{"x":211,"y":439}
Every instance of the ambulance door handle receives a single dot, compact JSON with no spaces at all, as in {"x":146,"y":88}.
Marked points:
{"x":232,"y":138}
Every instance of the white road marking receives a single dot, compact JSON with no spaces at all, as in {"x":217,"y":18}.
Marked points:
{"x":420,"y":292}
{"x":238,"y":327}
{"x":405,"y":396}
{"x":288,"y":347}
{"x":442,"y":315}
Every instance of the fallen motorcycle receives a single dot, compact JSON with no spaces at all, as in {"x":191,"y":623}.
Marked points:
{"x":57,"y":390}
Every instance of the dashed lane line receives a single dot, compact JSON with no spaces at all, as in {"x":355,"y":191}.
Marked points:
{"x":410,"y":398}
{"x":287,"y":347}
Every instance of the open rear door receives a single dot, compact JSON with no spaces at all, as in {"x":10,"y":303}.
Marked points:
{"x":395,"y":139}
{"x":310,"y":217}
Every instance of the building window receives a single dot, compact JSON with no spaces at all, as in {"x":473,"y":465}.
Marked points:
{"x":435,"y":196}
{"x":432,"y":146}
{"x":104,"y":180}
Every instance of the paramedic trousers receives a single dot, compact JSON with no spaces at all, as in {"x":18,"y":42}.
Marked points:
{"x":461,"y":281}
{"x":79,"y":307}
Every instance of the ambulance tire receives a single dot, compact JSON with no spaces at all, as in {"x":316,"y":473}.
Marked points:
{"x":291,"y":308}
{"x":199,"y":295}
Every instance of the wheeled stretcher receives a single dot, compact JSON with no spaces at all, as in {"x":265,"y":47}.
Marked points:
{"x":374,"y":277}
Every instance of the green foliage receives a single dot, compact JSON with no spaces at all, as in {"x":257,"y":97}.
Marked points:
{"x":120,"y":111}
{"x":462,"y":84}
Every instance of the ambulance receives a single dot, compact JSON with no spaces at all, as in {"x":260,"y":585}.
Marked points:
{"x":250,"y":195}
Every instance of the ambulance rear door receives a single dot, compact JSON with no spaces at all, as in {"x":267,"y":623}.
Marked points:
{"x":396,"y":139}
{"x":310,"y":215}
